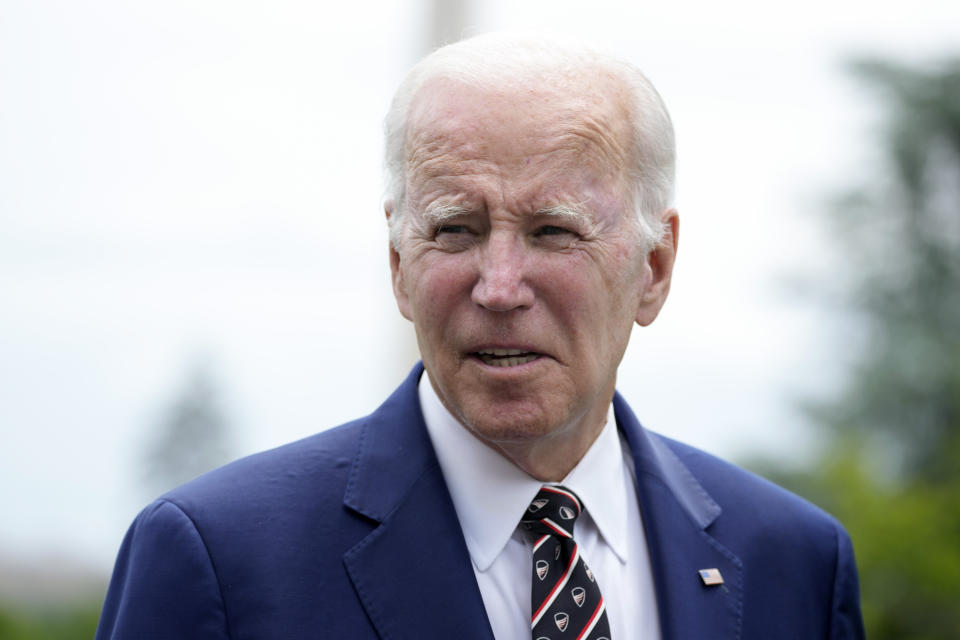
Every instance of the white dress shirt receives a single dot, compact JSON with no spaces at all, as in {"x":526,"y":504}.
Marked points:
{"x":490,"y":495}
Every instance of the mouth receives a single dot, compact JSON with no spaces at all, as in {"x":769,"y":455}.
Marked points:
{"x":506,"y":357}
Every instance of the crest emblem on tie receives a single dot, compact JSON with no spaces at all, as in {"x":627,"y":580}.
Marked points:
{"x":542,"y":567}
{"x":556,"y":552}
{"x":562,"y":620}
{"x":578,"y":593}
{"x":567,"y":513}
{"x":537,"y":504}
{"x":589,"y":573}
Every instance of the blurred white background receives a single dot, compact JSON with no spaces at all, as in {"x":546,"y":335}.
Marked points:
{"x":201,"y":181}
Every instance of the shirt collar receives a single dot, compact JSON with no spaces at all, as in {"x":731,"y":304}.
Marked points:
{"x":490,"y":493}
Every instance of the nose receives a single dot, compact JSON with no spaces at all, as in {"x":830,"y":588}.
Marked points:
{"x":502,"y":284}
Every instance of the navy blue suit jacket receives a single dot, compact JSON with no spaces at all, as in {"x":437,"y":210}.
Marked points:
{"x":351,"y":534}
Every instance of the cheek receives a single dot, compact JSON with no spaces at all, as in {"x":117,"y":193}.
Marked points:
{"x":594,"y":300}
{"x":572,"y":292}
{"x":437,"y":287}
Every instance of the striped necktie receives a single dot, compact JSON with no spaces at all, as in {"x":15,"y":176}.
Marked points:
{"x":566,"y":598}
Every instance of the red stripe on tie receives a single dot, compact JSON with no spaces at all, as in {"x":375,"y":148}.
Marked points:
{"x":574,"y":557}
{"x":539,"y":542}
{"x":553,"y":525}
{"x":563,"y":493}
{"x":593,"y":621}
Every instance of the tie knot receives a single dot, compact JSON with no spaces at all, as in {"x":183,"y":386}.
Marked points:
{"x":553,"y":512}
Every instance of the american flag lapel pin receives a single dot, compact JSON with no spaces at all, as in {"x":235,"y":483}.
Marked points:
{"x":711,"y":577}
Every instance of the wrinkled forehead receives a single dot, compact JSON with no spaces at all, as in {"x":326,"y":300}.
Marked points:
{"x":584,"y":119}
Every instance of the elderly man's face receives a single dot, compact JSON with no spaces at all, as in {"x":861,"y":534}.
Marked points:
{"x":519,"y":265}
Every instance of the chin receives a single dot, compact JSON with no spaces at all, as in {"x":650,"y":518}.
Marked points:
{"x":510,"y":426}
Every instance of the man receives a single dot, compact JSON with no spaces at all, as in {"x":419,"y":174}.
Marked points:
{"x":530,"y":226}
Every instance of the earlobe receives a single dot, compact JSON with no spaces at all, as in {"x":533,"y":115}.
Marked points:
{"x":659,"y":271}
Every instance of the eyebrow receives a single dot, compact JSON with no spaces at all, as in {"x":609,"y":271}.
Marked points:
{"x":572,"y":214}
{"x":437,"y":214}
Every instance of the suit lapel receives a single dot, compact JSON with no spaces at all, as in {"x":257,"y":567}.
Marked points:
{"x":677,"y":517}
{"x":412,"y":573}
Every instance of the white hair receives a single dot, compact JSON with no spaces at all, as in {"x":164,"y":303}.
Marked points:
{"x":496,"y":59}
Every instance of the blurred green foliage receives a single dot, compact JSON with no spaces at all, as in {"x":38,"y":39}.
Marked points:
{"x":68,"y":623}
{"x":891,"y":470}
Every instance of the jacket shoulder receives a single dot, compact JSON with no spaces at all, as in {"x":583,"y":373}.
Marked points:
{"x":781,"y":539}
{"x":743,"y":494}
{"x":234,"y":548}
{"x":301,"y":474}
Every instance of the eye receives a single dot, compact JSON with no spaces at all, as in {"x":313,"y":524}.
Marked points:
{"x":451,"y":228}
{"x":551,"y":230}
{"x":454,"y":237}
{"x":554,"y":238}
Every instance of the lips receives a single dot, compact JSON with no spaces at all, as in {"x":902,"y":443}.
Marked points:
{"x":506,"y":357}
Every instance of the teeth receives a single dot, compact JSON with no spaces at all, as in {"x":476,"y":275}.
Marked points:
{"x":503,"y":352}
{"x":507,"y":357}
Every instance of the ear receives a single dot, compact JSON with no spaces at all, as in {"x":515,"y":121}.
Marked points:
{"x":659,"y":270}
{"x":396,"y":271}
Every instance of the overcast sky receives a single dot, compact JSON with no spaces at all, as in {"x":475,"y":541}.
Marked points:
{"x":187,"y":180}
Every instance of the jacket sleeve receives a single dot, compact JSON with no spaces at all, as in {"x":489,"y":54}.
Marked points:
{"x":846,"y":621}
{"x":164,"y":584}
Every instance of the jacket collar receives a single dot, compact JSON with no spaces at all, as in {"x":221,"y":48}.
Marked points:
{"x":657,"y":461}
{"x":413,"y":572}
{"x":678,"y":515}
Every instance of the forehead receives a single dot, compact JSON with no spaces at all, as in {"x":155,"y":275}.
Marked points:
{"x":455,"y":128}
